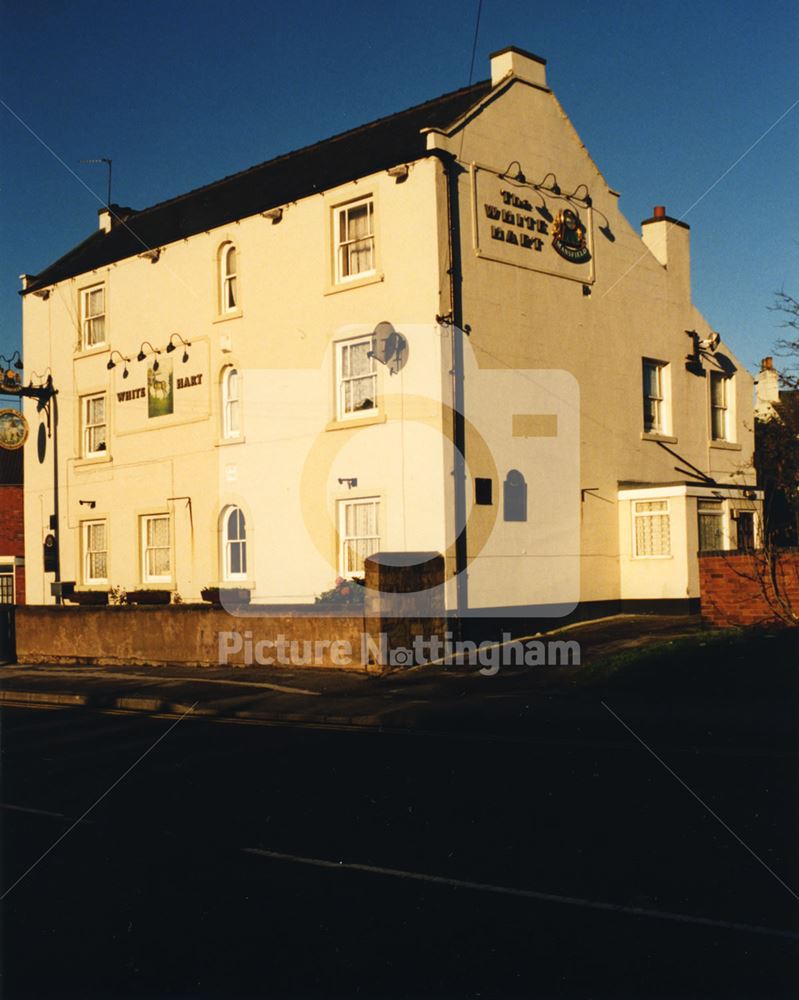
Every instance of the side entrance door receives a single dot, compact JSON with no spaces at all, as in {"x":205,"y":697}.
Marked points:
{"x":7,"y":643}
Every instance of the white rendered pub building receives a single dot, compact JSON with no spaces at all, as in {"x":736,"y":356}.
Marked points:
{"x":433,"y":333}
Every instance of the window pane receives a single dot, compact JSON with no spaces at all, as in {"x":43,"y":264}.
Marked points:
{"x":652,"y":380}
{"x":746,"y":531}
{"x":651,"y":414}
{"x":711,"y":535}
{"x":94,"y":302}
{"x":158,"y":531}
{"x":97,"y":566}
{"x":230,"y":261}
{"x":652,"y":528}
{"x":97,"y":410}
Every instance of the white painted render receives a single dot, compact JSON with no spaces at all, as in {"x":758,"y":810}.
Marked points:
{"x":554,"y":345}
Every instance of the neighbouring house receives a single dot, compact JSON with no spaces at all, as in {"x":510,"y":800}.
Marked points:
{"x":12,"y":528}
{"x":777,"y":454}
{"x":433,"y":333}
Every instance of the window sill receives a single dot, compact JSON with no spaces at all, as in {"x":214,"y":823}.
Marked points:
{"x":342,"y":425}
{"x":665,"y":438}
{"x":644,"y":558}
{"x":90,"y":352}
{"x":726,"y":445}
{"x":367,"y":279}
{"x":237,"y":314}
{"x":232,"y":585}
{"x":227,"y":442}
{"x":90,"y":462}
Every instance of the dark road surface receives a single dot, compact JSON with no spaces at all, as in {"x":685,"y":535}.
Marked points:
{"x":203,"y":872}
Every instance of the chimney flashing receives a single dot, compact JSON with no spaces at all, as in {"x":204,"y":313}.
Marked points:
{"x":665,"y":218}
{"x":521,"y":52}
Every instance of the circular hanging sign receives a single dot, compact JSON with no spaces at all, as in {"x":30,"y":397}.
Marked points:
{"x":13,"y":430}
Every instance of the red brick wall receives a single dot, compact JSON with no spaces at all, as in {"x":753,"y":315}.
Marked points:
{"x":739,"y":588}
{"x":12,"y":532}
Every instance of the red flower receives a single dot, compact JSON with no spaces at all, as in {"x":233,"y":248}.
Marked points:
{"x":345,"y":591}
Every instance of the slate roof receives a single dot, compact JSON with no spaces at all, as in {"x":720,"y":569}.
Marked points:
{"x":364,"y":150}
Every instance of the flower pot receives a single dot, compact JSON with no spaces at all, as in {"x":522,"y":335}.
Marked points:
{"x":88,"y":598}
{"x":149,"y":597}
{"x":226,"y":596}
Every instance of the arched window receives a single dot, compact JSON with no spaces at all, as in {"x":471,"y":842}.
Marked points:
{"x":228,"y":279}
{"x":231,"y":403}
{"x":515,"y":496}
{"x":234,"y":544}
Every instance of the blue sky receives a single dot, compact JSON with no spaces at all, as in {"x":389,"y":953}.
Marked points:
{"x":667,"y":97}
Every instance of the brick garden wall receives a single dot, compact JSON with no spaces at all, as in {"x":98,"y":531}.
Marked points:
{"x":739,"y":588}
{"x":12,"y":532}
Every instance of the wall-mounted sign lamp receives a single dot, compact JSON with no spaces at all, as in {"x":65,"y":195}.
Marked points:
{"x":554,"y":187}
{"x":171,"y":346}
{"x":112,"y":364}
{"x":142,"y":353}
{"x":517,"y":176}
{"x":585,"y":199}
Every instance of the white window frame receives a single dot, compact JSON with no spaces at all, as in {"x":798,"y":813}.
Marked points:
{"x":342,"y":380}
{"x":662,"y":512}
{"x":662,"y":402}
{"x":89,"y":552}
{"x":344,"y":243}
{"x":718,"y":510}
{"x":12,"y":562}
{"x":228,"y":544}
{"x":88,"y":320}
{"x":726,"y":408}
{"x":228,"y":279}
{"x":755,"y":529}
{"x":345,"y":569}
{"x":88,"y":428}
{"x":144,"y":521}
{"x":231,"y":403}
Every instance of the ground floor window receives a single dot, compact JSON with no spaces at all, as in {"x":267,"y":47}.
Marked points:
{"x":95,"y":552}
{"x":234,"y":544}
{"x":359,"y":532}
{"x":156,"y":549}
{"x":746,"y":530}
{"x":652,"y":528}
{"x":711,"y":525}
{"x":7,"y":582}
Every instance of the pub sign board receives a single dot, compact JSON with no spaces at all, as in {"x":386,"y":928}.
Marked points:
{"x":515,"y":223}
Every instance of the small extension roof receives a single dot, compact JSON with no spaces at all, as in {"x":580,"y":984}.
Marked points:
{"x":364,"y":150}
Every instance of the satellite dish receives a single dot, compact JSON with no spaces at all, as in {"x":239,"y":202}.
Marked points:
{"x":390,"y":347}
{"x":711,"y":343}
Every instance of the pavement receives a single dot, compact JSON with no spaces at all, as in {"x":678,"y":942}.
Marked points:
{"x":323,"y":696}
